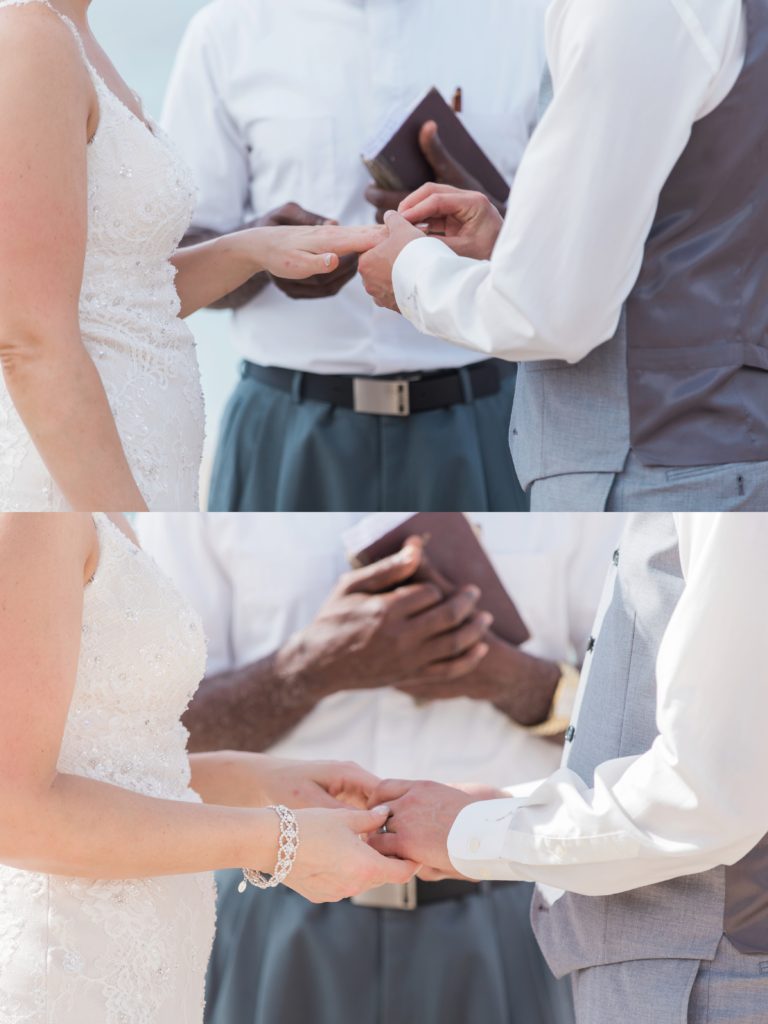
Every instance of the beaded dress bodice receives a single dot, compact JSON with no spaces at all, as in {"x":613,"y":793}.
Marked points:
{"x":142,"y":657}
{"x":133,"y":951}
{"x":140,"y":202}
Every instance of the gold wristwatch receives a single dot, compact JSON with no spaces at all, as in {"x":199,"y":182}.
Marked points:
{"x":563,"y":702}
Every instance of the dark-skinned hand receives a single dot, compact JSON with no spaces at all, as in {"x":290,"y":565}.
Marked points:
{"x":447,"y":171}
{"x":321,"y":286}
{"x":518,"y":684}
{"x":379,"y":628}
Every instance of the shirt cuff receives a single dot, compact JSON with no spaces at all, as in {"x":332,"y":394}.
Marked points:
{"x":409,"y":266}
{"x":476,"y":841}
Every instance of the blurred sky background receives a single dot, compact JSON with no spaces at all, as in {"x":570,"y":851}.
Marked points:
{"x":141,"y":37}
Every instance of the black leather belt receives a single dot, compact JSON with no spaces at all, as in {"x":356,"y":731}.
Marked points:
{"x":415,"y":894}
{"x":397,"y":395}
{"x":439,"y":892}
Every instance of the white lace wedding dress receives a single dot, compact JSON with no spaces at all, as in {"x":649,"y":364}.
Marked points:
{"x":140,"y":203}
{"x":80,"y":951}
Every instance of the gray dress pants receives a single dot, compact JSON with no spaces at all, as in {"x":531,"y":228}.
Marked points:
{"x":278,"y":959}
{"x":731,"y":989}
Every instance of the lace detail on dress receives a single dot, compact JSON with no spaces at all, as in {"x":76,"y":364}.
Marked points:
{"x":140,"y":202}
{"x":133,"y":951}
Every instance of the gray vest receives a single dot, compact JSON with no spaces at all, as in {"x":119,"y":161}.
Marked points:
{"x":685,"y":382}
{"x":684,"y":918}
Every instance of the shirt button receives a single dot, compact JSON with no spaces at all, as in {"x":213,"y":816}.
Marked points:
{"x":570,"y":733}
{"x":474,"y":845}
{"x":616,"y":557}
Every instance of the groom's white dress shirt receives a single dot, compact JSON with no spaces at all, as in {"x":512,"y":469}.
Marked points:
{"x":257,"y":578}
{"x":272,"y":102}
{"x":630,"y":79}
{"x":698,"y":797}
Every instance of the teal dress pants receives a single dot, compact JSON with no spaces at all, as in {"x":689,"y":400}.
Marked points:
{"x":279,"y":453}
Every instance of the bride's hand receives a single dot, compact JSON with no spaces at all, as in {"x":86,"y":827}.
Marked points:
{"x":317,"y":783}
{"x":295,"y":253}
{"x":334,"y":860}
{"x":236,"y":778}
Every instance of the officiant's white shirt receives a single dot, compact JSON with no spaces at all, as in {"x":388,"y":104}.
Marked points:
{"x":697,"y":798}
{"x":257,"y":578}
{"x":272,"y":102}
{"x":630,"y":78}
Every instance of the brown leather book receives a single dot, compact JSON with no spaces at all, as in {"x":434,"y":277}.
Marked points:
{"x":455,"y":558}
{"x":396,"y":162}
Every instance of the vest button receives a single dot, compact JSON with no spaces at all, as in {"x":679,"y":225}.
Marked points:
{"x":591,"y":645}
{"x":569,"y":734}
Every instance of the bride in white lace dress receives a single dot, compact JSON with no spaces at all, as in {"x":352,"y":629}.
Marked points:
{"x":106,"y":903}
{"x":100,"y":399}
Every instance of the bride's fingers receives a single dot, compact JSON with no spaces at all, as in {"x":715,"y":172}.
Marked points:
{"x":390,"y":790}
{"x":395,"y":870}
{"x":347,"y":780}
{"x":388,"y":844}
{"x":346,"y":241}
{"x":299,"y":264}
{"x":366,"y":822}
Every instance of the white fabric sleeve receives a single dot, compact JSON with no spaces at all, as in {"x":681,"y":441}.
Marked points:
{"x":697,"y":798}
{"x":587,"y":189}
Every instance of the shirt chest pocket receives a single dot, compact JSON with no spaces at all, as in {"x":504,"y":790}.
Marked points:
{"x":293,"y":159}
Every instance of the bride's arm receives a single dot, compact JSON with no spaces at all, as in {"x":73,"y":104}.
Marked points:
{"x":209,"y":271}
{"x":240,"y":779}
{"x":58,"y":823}
{"x":47,"y":109}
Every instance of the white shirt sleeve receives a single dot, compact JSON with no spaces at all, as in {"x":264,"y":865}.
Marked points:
{"x":697,"y":798}
{"x":196,"y":118}
{"x":630,"y":79}
{"x":183,"y":545}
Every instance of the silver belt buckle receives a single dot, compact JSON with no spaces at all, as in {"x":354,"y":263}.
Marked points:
{"x":389,"y":897}
{"x":382,"y":397}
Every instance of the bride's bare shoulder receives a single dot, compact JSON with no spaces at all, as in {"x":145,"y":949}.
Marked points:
{"x":37,"y":45}
{"x":36,"y":23}
{"x":27,"y":537}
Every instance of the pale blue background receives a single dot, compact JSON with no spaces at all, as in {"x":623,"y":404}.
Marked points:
{"x":141,"y":37}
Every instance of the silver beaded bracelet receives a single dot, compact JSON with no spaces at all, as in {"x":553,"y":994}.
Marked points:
{"x":286,"y":853}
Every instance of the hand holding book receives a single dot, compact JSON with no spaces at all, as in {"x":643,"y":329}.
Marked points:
{"x":428,"y":143}
{"x":447,"y":170}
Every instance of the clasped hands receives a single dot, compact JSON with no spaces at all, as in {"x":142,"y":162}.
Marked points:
{"x":419,"y":815}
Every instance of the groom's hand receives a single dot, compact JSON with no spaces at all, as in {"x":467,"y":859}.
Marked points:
{"x":379,"y":628}
{"x":422,"y":815}
{"x":376,"y":265}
